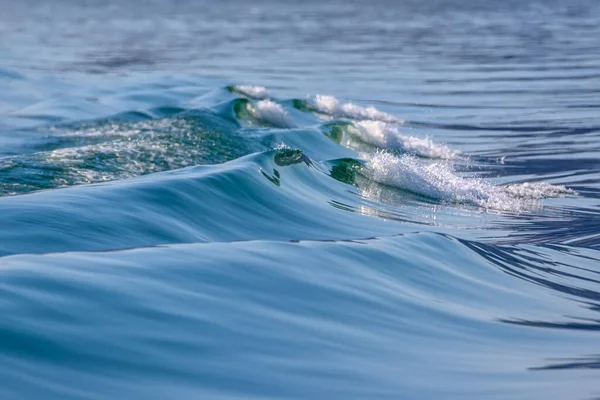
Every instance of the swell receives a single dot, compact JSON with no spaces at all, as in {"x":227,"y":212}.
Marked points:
{"x":151,"y":313}
{"x":271,"y":195}
{"x":168,"y":138}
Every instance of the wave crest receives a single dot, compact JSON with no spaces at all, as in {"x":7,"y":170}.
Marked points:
{"x":331,"y":106}
{"x":271,"y":113}
{"x":387,"y":136}
{"x":439,"y":181}
{"x":254,"y":92}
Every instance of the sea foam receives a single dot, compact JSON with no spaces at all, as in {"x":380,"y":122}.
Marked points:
{"x":254,"y":92}
{"x":331,"y":106}
{"x":270,"y":112}
{"x":387,"y":136}
{"x":437,"y":180}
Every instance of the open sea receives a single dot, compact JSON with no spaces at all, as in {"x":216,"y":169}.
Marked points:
{"x":343,"y":199}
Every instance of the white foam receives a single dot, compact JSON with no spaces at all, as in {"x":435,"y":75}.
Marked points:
{"x":387,"y":136}
{"x":271,"y":113}
{"x":154,"y":151}
{"x":125,"y":130}
{"x":331,"y":106}
{"x":437,"y":180}
{"x":255,"y":92}
{"x":537,"y":190}
{"x":282,"y":146}
{"x":94,"y":131}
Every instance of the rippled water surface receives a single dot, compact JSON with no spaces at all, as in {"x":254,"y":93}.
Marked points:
{"x":353,"y":200}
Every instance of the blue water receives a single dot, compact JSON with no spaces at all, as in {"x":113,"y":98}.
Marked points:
{"x":343,"y":199}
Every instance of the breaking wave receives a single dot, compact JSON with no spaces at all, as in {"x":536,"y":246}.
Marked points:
{"x":270,"y":112}
{"x":254,"y":92}
{"x":387,"y":136}
{"x":437,"y":180}
{"x":332,"y":107}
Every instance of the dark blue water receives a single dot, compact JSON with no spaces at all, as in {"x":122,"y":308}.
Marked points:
{"x":343,"y":199}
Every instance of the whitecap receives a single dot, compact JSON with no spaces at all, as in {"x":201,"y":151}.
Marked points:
{"x":387,"y":136}
{"x":437,"y":180}
{"x":254,"y":92}
{"x":331,"y":106}
{"x":271,"y":113}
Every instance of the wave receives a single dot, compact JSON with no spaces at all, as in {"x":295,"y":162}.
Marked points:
{"x":439,"y":181}
{"x":357,"y":300}
{"x":112,"y":150}
{"x":387,"y":136}
{"x":279,"y":195}
{"x":116,"y":149}
{"x":370,"y":128}
{"x":331,"y":106}
{"x":254,"y":92}
{"x":270,"y":112}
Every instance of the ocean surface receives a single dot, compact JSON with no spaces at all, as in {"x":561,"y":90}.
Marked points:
{"x":362,"y":199}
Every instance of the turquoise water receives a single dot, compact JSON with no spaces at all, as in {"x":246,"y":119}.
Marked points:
{"x":350,"y":200}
